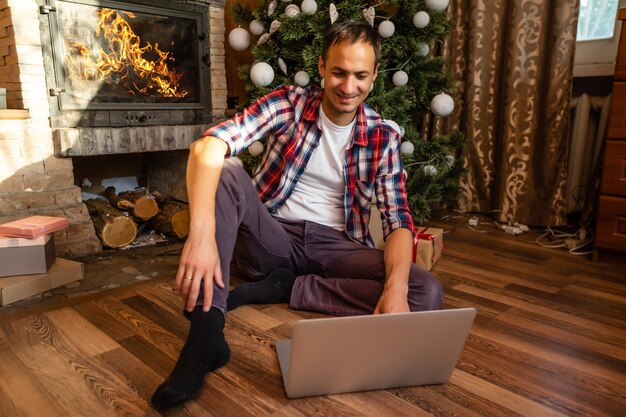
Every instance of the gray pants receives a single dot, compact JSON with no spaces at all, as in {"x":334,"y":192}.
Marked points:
{"x":335,"y":275}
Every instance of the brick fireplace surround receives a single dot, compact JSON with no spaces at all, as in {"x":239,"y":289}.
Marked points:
{"x":36,"y":168}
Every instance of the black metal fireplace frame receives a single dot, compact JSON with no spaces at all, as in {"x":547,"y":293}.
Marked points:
{"x":124,"y":114}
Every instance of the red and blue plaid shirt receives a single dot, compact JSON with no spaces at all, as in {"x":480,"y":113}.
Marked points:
{"x":288,"y":117}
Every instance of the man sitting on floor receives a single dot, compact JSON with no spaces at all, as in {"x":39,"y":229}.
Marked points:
{"x":300,"y":228}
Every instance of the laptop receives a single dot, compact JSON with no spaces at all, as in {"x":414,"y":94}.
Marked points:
{"x":361,"y":353}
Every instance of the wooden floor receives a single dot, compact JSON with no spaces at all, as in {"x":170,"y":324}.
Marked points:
{"x":549,"y":340}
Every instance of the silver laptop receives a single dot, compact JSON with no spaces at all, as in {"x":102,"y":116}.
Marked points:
{"x":361,"y":353}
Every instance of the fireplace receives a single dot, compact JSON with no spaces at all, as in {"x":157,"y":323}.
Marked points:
{"x":96,"y":78}
{"x":128,"y":64}
{"x":118,"y":65}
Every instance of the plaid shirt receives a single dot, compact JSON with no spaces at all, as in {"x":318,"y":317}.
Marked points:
{"x":288,"y":117}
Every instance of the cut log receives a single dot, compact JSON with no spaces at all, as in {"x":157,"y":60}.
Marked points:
{"x":114,"y":227}
{"x":142,"y":205}
{"x":111,"y":194}
{"x":172,"y":220}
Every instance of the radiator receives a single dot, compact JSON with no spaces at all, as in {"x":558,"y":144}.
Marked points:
{"x":589,"y":115}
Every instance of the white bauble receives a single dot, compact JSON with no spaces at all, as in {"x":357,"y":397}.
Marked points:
{"x":402,"y":131}
{"x":406,"y":174}
{"x":271,"y":8}
{"x":424,"y":49}
{"x":400,"y":78}
{"x":371,"y":87}
{"x":429,"y":170}
{"x":333,"y":13}
{"x":302,"y":78}
{"x":236,"y":160}
{"x":239,"y":39}
{"x":292,"y":10}
{"x":421,"y":19}
{"x":308,"y":6}
{"x":449,"y":161}
{"x":322,"y":83}
{"x":274,"y":26}
{"x":386,"y":28}
{"x":407,"y":148}
{"x":256,"y":27}
{"x":262,"y":74}
{"x":438,"y":5}
{"x":282,"y":65}
{"x":442,"y":105}
{"x":256,"y":148}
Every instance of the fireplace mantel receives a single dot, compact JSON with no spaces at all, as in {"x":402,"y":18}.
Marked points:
{"x":36,"y":156}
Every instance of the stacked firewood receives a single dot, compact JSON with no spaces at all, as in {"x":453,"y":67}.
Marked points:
{"x":118,"y":219}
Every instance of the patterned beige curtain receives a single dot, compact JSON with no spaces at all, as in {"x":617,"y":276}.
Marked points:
{"x":512,"y":62}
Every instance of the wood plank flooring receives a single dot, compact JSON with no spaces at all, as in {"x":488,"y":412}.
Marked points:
{"x":549,"y":340}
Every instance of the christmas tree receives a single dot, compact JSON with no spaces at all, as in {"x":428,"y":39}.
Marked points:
{"x":287,"y":38}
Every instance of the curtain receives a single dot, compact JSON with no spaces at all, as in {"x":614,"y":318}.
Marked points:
{"x":512,"y":63}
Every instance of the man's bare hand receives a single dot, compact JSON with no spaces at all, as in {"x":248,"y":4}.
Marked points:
{"x":393,"y":300}
{"x":199,"y":261}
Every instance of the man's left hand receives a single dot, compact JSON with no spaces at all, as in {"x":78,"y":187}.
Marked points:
{"x":393,"y":300}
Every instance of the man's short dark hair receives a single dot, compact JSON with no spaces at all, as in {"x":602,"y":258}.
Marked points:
{"x":352,"y":31}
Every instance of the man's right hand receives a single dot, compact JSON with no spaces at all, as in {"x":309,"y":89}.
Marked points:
{"x":199,"y":261}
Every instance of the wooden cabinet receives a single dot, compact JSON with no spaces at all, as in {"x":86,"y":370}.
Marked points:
{"x":611,"y":221}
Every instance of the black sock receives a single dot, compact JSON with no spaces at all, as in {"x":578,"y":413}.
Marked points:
{"x":274,"y":288}
{"x":205,"y":350}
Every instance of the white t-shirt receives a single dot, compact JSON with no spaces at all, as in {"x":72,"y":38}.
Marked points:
{"x":319,"y":193}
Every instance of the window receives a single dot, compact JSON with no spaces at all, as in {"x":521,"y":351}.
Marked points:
{"x":595,"y":19}
{"x":597,"y":37}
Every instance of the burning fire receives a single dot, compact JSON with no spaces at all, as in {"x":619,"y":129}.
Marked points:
{"x":144,"y":69}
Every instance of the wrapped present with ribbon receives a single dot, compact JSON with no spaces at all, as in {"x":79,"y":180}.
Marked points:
{"x":427,"y":246}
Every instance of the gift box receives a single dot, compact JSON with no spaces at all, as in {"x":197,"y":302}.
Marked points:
{"x":21,"y":256}
{"x":33,"y":226}
{"x":17,"y":288}
{"x":427,"y":246}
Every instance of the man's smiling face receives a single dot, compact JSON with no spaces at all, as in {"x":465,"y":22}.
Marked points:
{"x":348,"y":73}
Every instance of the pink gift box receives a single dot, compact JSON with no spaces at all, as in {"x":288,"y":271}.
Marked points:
{"x":33,"y":226}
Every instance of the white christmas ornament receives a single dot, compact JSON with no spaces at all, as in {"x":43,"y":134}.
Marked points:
{"x":239,"y":39}
{"x":386,"y":28}
{"x":332,"y":11}
{"x":264,"y":38}
{"x":271,"y":8}
{"x":424,"y":49}
{"x":402,"y":131}
{"x":274,"y":26}
{"x":449,"y":161}
{"x":369,"y":15}
{"x":430,"y":170}
{"x":302,"y":78}
{"x":282,"y":66}
{"x":256,"y":27}
{"x":406,"y":174}
{"x":407,"y":148}
{"x":400,"y":78}
{"x":442,"y":105}
{"x":437,"y":5}
{"x":292,"y":10}
{"x":308,"y":6}
{"x":421,"y":20}
{"x":322,"y":83}
{"x":256,"y":148}
{"x":262,"y":74}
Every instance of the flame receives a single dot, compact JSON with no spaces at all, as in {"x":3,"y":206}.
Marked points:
{"x":126,"y":62}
